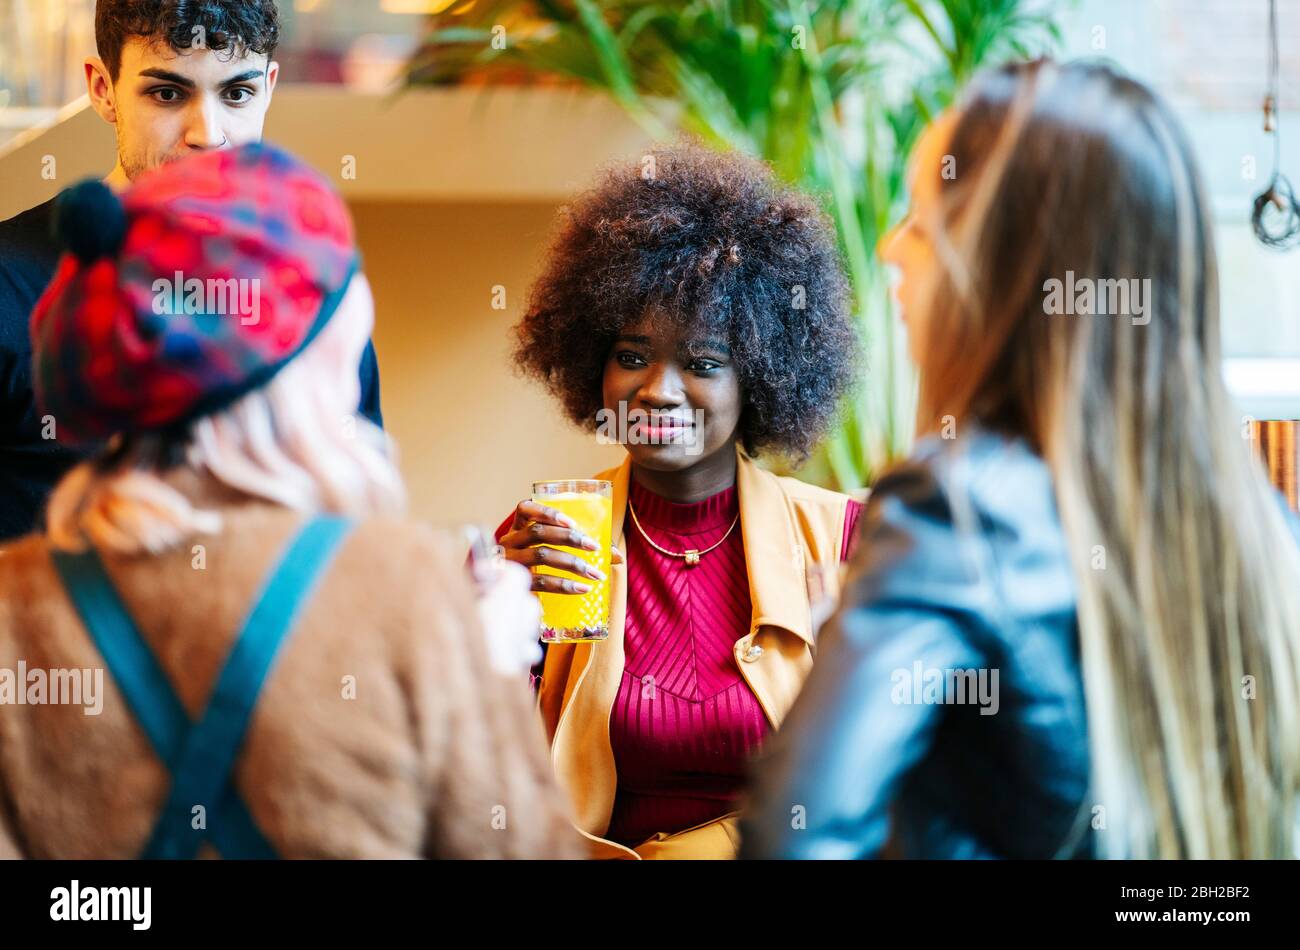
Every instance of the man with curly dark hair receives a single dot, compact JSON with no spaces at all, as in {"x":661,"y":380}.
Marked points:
{"x":173,"y":78}
{"x":697,"y":311}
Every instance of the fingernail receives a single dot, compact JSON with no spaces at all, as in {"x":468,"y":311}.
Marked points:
{"x":581,"y":587}
{"x":595,"y":572}
{"x":590,"y":543}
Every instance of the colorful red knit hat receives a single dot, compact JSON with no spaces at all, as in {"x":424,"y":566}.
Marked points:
{"x":197,"y":286}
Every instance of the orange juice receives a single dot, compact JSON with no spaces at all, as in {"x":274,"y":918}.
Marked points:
{"x":570,"y":618}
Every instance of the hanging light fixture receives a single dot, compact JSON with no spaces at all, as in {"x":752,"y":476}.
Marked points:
{"x":1276,"y":215}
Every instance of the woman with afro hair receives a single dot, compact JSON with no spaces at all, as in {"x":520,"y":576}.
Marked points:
{"x":693,"y":296}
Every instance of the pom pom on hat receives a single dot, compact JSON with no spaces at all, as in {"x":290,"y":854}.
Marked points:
{"x":90,"y":221}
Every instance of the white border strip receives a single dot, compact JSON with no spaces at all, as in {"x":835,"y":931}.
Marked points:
{"x":1266,"y":388}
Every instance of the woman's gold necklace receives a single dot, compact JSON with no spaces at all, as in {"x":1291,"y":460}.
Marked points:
{"x":691,"y":555}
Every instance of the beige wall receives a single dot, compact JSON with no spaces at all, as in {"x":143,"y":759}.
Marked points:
{"x":472,"y":434}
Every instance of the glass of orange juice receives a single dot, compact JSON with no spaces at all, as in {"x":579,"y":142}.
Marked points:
{"x":578,"y":618}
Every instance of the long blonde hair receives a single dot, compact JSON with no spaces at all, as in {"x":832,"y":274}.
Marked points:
{"x":1188,"y":578}
{"x":294,"y":442}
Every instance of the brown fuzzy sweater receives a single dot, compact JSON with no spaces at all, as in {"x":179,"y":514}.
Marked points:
{"x":436,"y":756}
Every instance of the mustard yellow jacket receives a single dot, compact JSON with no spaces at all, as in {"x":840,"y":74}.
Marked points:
{"x":790,"y":529}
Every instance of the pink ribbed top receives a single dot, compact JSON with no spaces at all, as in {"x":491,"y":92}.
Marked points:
{"x":684,"y":722}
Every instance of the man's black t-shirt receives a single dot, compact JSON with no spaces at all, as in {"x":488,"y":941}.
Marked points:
{"x":29,"y":464}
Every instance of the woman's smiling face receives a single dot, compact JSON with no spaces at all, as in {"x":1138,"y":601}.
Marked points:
{"x":681,"y":395}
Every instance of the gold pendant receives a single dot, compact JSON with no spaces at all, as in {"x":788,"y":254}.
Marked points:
{"x":692,"y":558}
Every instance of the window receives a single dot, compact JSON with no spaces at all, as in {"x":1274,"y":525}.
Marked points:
{"x":1209,"y":59}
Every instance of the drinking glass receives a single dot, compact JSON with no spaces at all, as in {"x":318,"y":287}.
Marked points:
{"x":579,"y":618}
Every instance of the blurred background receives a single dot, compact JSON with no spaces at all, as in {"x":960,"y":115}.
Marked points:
{"x":469,"y":124}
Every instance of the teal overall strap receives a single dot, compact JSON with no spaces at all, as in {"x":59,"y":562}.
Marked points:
{"x":145,"y":687}
{"x":134,"y":668}
{"x":207,"y":760}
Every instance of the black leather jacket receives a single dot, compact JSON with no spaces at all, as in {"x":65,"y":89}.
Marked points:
{"x":962,"y":565}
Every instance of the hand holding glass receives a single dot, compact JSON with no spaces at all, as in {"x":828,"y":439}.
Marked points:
{"x":578,"y":617}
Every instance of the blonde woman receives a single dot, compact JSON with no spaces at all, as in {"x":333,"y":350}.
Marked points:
{"x":1074,"y":623}
{"x":254,"y":656}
